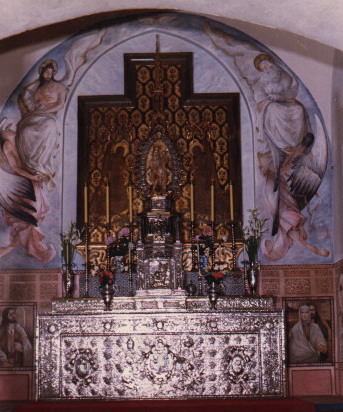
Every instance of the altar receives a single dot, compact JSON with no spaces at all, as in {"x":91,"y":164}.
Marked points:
{"x":168,"y":326}
{"x":163,"y":353}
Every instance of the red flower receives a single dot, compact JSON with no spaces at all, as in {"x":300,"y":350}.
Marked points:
{"x":108,"y":274}
{"x":105,"y":277}
{"x":207,"y":231}
{"x":218,"y":275}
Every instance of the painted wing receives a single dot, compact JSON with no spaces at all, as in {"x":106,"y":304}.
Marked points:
{"x":309,"y":167}
{"x":243,"y":53}
{"x":15,"y":191}
{"x":77,"y":54}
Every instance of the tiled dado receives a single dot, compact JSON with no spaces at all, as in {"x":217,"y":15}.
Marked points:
{"x":38,"y":285}
{"x":298,"y":280}
{"x":43,"y":285}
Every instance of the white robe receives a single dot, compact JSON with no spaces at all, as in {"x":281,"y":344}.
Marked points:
{"x":303,"y":350}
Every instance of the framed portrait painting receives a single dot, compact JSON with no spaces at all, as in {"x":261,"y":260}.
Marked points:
{"x":17,"y":334}
{"x":309,"y":331}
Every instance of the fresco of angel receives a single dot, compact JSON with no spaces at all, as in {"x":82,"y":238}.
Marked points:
{"x":27,"y":154}
{"x":294,"y":160}
{"x":41,"y":101}
{"x":21,"y":197}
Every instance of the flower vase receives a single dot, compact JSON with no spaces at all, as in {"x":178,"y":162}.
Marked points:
{"x":212,"y":295}
{"x":191,"y":289}
{"x":107,"y":292}
{"x":68,"y":280}
{"x":253,"y":274}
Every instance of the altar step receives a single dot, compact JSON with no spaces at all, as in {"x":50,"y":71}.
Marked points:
{"x":191,"y":405}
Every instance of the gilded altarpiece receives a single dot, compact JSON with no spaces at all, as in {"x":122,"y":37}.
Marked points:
{"x":202,"y":135}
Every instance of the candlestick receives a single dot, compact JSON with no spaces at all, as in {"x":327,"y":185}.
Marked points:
{"x":212,"y":201}
{"x":231,"y":202}
{"x":246,"y":284}
{"x":107,"y":202}
{"x":193,"y":247}
{"x":192,"y":200}
{"x":85,"y":200}
{"x":86,"y":295}
{"x":67,"y":253}
{"x":130,"y":203}
{"x":130,"y":262}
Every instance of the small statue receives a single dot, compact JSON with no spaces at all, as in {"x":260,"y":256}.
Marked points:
{"x":159,"y":168}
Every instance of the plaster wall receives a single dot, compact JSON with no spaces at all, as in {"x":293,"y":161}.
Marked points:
{"x":311,"y":61}
{"x":316,"y":19}
{"x":337,"y":134}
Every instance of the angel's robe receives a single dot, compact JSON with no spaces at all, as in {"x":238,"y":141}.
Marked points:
{"x":37,"y":131}
{"x":284,"y":126}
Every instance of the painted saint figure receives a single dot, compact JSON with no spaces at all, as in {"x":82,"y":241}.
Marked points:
{"x":15,"y":346}
{"x":28,"y":154}
{"x":291,"y":174}
{"x":307,"y":341}
{"x":294,"y":159}
{"x":37,"y":132}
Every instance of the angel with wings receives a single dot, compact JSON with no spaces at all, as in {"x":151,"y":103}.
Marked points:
{"x":21,"y":197}
{"x":295,"y":156}
{"x":27,"y":155}
{"x":40,"y":103}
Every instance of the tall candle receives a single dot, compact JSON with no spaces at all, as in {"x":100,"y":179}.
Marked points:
{"x":192,"y":200}
{"x":231,"y":202}
{"x":67,"y":253}
{"x":130,"y":203}
{"x":85,"y":200}
{"x":212,"y":201}
{"x":107,"y":202}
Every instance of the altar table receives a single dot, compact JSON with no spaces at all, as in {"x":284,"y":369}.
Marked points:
{"x":168,"y":349}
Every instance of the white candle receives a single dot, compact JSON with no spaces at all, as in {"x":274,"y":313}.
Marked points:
{"x":212,"y":201}
{"x":85,"y":200}
{"x":130,"y":203}
{"x":231,"y":202}
{"x":67,"y":253}
{"x":107,"y":202}
{"x":192,"y":200}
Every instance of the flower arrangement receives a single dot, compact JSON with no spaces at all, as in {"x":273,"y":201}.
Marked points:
{"x":69,"y":240}
{"x":106,"y":277}
{"x":252,"y":234}
{"x":120,"y":245}
{"x":205,"y":247}
{"x":205,"y":242}
{"x":214,"y":276}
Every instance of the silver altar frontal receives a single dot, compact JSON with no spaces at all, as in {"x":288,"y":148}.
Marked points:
{"x":184,"y":351}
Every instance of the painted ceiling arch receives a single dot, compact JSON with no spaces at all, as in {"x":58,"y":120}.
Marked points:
{"x":320,"y":20}
{"x":288,"y":163}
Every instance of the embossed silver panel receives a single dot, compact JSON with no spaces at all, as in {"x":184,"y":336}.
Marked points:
{"x":161,"y":355}
{"x":95,"y":305}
